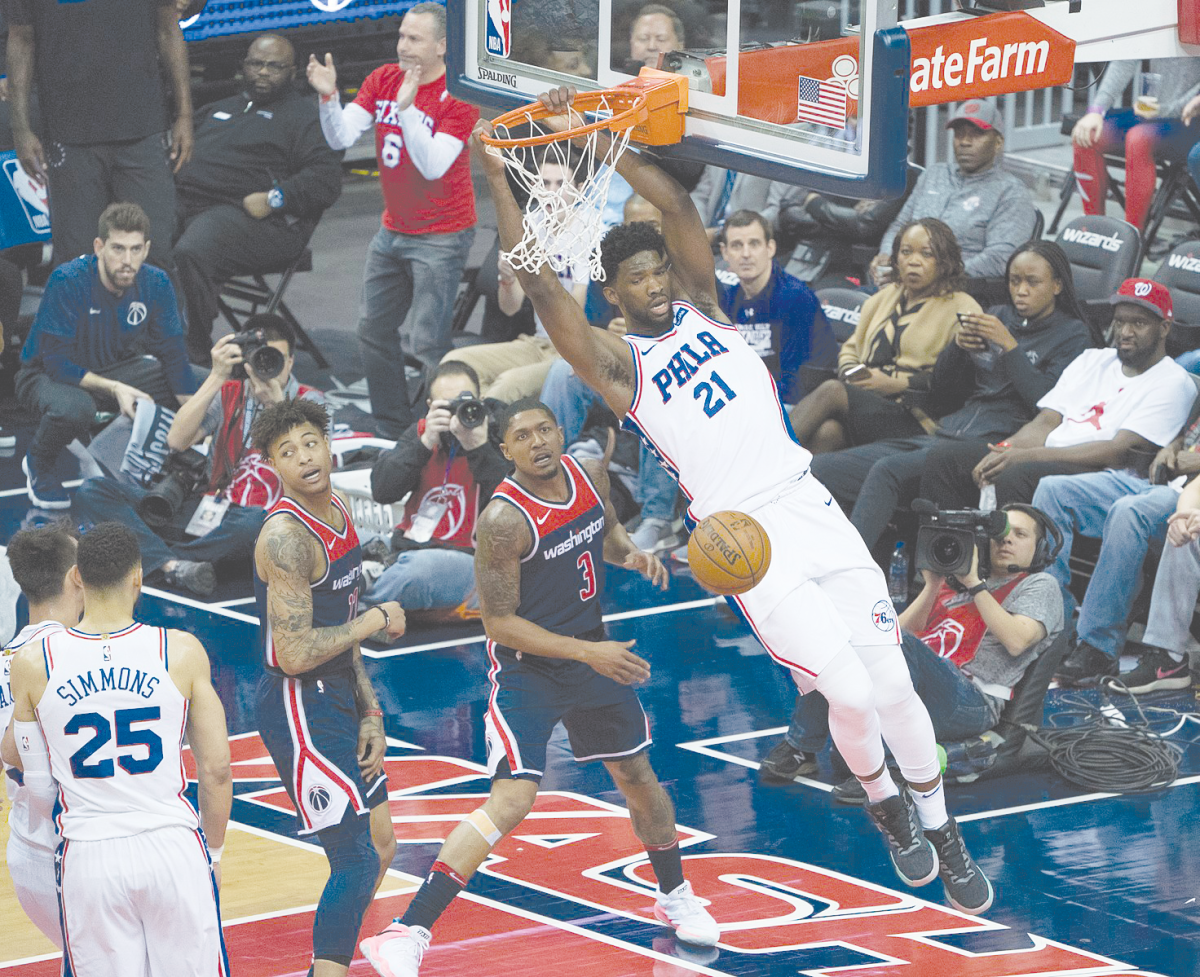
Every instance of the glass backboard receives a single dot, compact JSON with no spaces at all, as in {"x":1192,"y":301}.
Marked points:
{"x":811,"y":93}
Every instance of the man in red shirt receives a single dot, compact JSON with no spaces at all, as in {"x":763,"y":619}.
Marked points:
{"x":415,"y":261}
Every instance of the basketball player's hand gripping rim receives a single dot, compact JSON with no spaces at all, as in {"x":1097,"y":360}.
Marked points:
{"x":649,"y":566}
{"x":490,"y":159}
{"x":558,"y":102}
{"x":614,"y":660}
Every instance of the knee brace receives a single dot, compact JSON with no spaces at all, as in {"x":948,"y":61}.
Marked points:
{"x":353,"y":869}
{"x":480,"y":821}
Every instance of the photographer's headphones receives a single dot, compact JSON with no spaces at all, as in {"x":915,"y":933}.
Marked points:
{"x":1050,"y":539}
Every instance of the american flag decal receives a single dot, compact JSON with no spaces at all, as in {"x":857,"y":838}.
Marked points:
{"x":821,"y":102}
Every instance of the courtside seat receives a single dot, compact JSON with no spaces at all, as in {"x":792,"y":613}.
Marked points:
{"x":842,"y":307}
{"x":1180,"y":272}
{"x":1103,"y":252}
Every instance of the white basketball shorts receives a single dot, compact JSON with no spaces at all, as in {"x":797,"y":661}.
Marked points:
{"x":822,"y":590}
{"x":147,"y":897}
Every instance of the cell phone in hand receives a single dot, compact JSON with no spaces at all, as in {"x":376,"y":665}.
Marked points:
{"x":856,"y":373}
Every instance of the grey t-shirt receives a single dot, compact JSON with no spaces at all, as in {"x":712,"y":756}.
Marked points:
{"x":1038,"y":597}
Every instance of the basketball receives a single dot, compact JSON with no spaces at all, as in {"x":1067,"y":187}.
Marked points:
{"x":729,"y":552}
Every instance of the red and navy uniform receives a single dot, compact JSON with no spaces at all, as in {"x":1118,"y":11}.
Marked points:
{"x":562,"y":575}
{"x":309,"y":722}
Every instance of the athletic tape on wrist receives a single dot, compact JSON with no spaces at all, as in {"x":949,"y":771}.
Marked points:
{"x":483,"y":824}
{"x":214,"y":854}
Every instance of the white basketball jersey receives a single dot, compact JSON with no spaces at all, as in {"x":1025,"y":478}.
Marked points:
{"x":114,"y":722}
{"x":706,"y":405}
{"x":33,"y":831}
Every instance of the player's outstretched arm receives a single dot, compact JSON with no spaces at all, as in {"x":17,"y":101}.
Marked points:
{"x":687,"y":240}
{"x":618,"y":547}
{"x":286,"y":558}
{"x":603,"y":360}
{"x":208,"y":735}
{"x":503,"y":537}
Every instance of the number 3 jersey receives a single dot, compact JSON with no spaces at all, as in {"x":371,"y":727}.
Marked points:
{"x":563,"y":571}
{"x":706,"y":405}
{"x":114,"y":724}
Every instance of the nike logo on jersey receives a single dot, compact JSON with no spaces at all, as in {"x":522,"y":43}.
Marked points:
{"x":829,"y":501}
{"x":543,"y":519}
{"x":683,"y":365}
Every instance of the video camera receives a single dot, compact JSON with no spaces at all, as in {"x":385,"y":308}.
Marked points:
{"x":469,"y":409}
{"x":267,"y":361}
{"x":947,"y":539}
{"x":182,"y":473}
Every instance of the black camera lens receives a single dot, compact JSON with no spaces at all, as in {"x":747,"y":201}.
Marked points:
{"x":470,"y":413}
{"x":947,"y":550}
{"x":267,"y":362}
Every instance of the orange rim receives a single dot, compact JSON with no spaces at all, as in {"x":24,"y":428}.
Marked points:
{"x":627,"y":118}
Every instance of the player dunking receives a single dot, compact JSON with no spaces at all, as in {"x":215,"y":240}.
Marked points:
{"x":102,"y":709}
{"x":41,"y":562}
{"x":317,"y":713}
{"x":542,"y":544}
{"x":700,"y":397}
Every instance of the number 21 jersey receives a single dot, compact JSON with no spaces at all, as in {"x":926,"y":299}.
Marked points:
{"x":706,"y":405}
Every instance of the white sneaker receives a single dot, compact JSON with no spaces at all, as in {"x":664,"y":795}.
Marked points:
{"x":654,"y":535}
{"x":683,"y":912}
{"x":397,"y":951}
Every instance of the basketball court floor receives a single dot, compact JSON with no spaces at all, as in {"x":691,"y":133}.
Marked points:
{"x":1087,"y":884}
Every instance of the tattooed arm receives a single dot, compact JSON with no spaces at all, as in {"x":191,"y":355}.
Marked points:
{"x":288,"y":558}
{"x":372,"y":744}
{"x":619,"y":549}
{"x":502,"y":539}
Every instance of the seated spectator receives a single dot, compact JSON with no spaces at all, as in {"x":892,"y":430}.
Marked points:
{"x":1108,"y":407}
{"x":901,"y":330}
{"x":967,"y":641}
{"x":1164,"y":663}
{"x":1148,"y":129}
{"x":656,"y":30}
{"x":449,"y":472}
{"x":985,"y":383}
{"x":989,"y":210}
{"x":778,"y":315}
{"x":1128,"y":513}
{"x":239,"y":481}
{"x":509,"y":371}
{"x":722,"y":192}
{"x":98,"y":314}
{"x":260,"y":176}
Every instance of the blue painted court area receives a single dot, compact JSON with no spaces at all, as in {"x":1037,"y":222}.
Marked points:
{"x":1085,"y":884}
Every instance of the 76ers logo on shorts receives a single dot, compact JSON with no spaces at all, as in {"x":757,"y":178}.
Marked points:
{"x":883,"y":615}
{"x":318,"y":798}
{"x":499,"y":28}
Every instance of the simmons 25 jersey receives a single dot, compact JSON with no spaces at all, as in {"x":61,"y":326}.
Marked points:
{"x":706,"y":405}
{"x":114,"y":724}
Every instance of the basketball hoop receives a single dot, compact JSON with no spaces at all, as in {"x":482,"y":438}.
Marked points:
{"x":563,"y":224}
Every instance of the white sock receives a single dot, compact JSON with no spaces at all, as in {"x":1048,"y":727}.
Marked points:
{"x":931,"y":806}
{"x":881,"y":788}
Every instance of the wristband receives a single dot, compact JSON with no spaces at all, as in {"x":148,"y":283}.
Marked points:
{"x":214,"y":854}
{"x":368,"y":713}
{"x":326,"y":99}
{"x":979,"y":588}
{"x":387,"y":618}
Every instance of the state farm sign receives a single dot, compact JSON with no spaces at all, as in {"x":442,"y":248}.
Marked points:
{"x":984,"y":56}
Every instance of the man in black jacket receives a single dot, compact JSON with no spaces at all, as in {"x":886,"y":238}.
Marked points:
{"x":260,"y":176}
{"x":450,"y":461}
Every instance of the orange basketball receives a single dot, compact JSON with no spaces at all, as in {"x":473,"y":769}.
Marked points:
{"x":729,"y":552}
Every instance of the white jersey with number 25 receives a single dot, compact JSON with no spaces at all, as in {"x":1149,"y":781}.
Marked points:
{"x":706,"y":405}
{"x":114,"y":722}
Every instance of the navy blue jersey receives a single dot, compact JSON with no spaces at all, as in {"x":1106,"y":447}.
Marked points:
{"x":563,"y":572}
{"x":334,"y":597}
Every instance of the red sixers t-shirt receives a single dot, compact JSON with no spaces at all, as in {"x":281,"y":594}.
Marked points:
{"x":412,"y":204}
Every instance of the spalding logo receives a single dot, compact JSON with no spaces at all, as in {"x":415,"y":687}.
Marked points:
{"x":318,"y":798}
{"x":883,"y":616}
{"x":1141,"y":289}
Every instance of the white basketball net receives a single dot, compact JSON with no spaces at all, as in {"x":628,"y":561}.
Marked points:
{"x":563,"y":224}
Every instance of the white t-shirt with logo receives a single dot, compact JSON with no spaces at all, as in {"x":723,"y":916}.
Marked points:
{"x":1097,"y":399}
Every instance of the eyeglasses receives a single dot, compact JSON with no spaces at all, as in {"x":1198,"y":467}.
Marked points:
{"x":275,"y":67}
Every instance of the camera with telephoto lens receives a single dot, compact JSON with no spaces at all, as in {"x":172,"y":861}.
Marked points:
{"x":469,"y":410}
{"x":947,"y":539}
{"x":266,"y":359}
{"x":182,"y":473}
